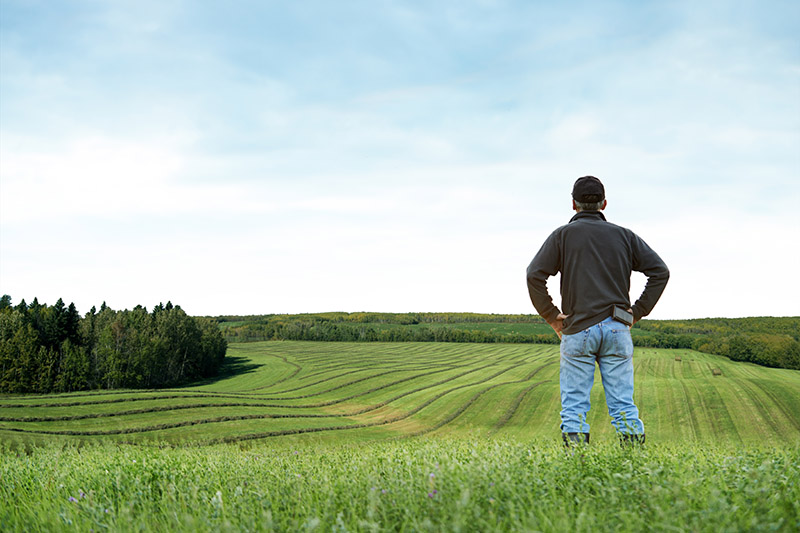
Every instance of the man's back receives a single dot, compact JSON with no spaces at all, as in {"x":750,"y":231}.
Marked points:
{"x":595,"y":259}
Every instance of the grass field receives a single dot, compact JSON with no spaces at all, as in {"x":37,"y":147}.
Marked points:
{"x":421,"y":484}
{"x":374,"y":391}
{"x":303,"y":436}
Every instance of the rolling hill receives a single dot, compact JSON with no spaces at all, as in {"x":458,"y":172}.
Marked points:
{"x":359,"y":391}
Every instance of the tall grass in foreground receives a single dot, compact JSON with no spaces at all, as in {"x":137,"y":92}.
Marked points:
{"x":406,"y":485}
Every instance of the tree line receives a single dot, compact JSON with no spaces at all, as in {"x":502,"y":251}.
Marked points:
{"x":767,"y":341}
{"x":46,"y":348}
{"x":310,"y":329}
{"x":405,"y":319}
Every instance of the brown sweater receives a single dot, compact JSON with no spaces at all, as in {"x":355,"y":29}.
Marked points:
{"x":595,"y":259}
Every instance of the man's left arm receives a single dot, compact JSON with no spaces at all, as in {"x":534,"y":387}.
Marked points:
{"x":651,"y":265}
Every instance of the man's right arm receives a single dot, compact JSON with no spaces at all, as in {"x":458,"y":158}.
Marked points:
{"x":546,"y":263}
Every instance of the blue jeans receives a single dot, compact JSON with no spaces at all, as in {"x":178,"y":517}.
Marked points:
{"x":609,"y":343}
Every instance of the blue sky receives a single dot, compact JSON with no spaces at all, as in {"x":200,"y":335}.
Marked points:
{"x":268,"y":157}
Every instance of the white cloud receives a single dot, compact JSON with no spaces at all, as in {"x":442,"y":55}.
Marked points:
{"x":406,"y":159}
{"x":727,"y":262}
{"x":100,"y":177}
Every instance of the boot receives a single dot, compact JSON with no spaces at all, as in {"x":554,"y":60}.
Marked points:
{"x":573,"y":439}
{"x":631,"y":440}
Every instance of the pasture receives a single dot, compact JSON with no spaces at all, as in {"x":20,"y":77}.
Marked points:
{"x":374,"y":391}
{"x":316,"y":436}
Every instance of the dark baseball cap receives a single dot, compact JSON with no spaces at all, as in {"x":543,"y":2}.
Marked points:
{"x":588,"y":189}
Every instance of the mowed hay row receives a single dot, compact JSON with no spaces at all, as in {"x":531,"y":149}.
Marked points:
{"x":93,"y":418}
{"x":150,"y":421}
{"x":442,"y":411}
{"x":158,"y":408}
{"x":695,"y":404}
{"x":288,"y":389}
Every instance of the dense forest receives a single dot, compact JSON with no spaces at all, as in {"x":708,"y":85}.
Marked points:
{"x":47,"y":348}
{"x":768,"y":341}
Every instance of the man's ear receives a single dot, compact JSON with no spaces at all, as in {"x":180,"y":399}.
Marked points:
{"x":574,"y":207}
{"x":605,"y":203}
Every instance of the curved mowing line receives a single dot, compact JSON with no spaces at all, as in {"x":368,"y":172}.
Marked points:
{"x":405,"y":366}
{"x":763,"y":409}
{"x":297,"y":370}
{"x":333,"y":368}
{"x":323,"y":404}
{"x":329,"y":378}
{"x":714,"y":418}
{"x":474,"y":398}
{"x":724,"y":413}
{"x":169,"y":397}
{"x":99,"y":402}
{"x":772,"y":396}
{"x":445,"y":357}
{"x":464,"y":407}
{"x":172,"y":425}
{"x":439,"y":356}
{"x":343,"y":385}
{"x":701,"y":400}
{"x":511,"y":411}
{"x":235,"y":395}
{"x":321,"y":367}
{"x":334,"y":361}
{"x":407,"y":393}
{"x":160,"y":427}
{"x":82,"y":394}
{"x":693,"y":424}
{"x":375,"y":389}
{"x":220,"y":395}
{"x":69,"y":418}
{"x":228,"y":395}
{"x":277,"y":433}
{"x":221,"y":419}
{"x":139,"y":399}
{"x":515,"y":406}
{"x":404,"y":369}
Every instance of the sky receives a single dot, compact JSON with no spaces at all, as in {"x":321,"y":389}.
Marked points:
{"x":256,"y":157}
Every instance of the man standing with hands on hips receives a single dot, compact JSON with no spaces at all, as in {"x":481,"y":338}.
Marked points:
{"x":595,"y":259}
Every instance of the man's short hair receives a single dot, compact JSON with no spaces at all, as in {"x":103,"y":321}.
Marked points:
{"x":589,"y":206}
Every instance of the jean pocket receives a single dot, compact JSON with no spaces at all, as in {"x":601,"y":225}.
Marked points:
{"x":623,"y":343}
{"x":574,"y":344}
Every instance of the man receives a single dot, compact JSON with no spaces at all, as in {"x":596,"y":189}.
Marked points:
{"x":595,"y":259}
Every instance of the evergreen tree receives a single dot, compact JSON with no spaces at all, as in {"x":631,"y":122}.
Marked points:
{"x":51,"y":348}
{"x":75,"y":372}
{"x":72,"y":325}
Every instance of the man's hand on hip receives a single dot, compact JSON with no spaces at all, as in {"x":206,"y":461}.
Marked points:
{"x":558,"y":324}
{"x":634,"y":320}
